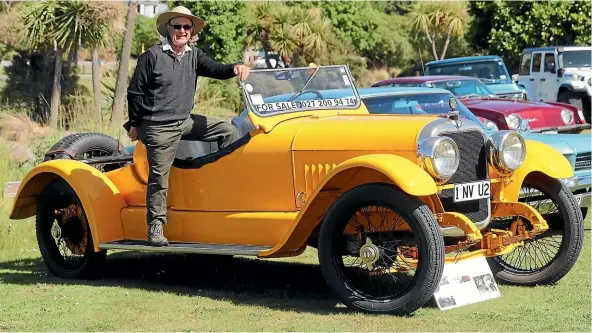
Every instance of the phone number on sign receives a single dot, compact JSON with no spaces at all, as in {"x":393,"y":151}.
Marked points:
{"x":296,"y":105}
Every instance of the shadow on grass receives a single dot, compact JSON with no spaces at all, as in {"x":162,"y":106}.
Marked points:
{"x":276,"y":285}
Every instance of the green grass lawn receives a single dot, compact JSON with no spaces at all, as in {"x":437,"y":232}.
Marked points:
{"x":155,"y":292}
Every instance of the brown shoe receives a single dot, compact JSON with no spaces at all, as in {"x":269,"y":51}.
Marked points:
{"x":155,"y":236}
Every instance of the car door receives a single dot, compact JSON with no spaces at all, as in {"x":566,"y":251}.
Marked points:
{"x":536,"y":75}
{"x":524,"y":78}
{"x":548,"y":78}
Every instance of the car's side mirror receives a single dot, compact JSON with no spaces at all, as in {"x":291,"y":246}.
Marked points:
{"x":515,"y":77}
{"x":560,"y":72}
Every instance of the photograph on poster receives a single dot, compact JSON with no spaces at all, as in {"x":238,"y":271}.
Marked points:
{"x":485,"y":283}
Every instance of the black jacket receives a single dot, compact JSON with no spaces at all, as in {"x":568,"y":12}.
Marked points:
{"x":163,"y":87}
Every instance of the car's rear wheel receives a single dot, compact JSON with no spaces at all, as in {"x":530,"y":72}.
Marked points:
{"x":550,"y":256}
{"x":86,"y":146}
{"x":380,"y":250}
{"x":63,"y":233}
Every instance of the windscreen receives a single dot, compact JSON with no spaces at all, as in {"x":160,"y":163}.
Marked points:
{"x":278,"y":91}
{"x":490,"y":70}
{"x":464,"y":88}
{"x":415,"y":104}
{"x":576,"y":59}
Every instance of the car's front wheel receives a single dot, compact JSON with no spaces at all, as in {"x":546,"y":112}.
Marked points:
{"x":63,"y":233}
{"x":548,"y":257}
{"x":380,"y":250}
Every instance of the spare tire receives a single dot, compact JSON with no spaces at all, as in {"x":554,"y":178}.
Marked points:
{"x":80,"y":146}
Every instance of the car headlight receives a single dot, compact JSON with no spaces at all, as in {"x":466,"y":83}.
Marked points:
{"x":513,"y":121}
{"x":566,"y":116}
{"x":439,"y":157}
{"x":590,"y":81}
{"x":491,"y":125}
{"x":506,"y":150}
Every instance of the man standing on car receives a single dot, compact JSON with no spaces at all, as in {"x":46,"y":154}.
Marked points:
{"x":160,"y":98}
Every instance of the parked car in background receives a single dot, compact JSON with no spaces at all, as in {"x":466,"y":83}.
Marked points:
{"x":490,"y":69}
{"x":558,"y":73}
{"x":549,"y":117}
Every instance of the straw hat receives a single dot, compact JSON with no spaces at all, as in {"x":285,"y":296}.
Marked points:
{"x":180,"y":11}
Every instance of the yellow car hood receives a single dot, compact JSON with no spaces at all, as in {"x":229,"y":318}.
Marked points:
{"x":360,"y":132}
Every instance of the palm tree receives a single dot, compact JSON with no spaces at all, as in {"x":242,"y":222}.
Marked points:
{"x":87,"y":24}
{"x":66,"y":26}
{"x":39,"y":21}
{"x":122,"y":72}
{"x":454,"y":23}
{"x":283,"y":41}
{"x":439,"y":18}
{"x":420,"y":20}
{"x":260,"y":22}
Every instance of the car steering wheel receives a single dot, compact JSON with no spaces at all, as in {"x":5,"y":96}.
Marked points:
{"x":314,"y":91}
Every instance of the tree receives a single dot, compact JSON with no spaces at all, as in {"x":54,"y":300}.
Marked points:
{"x":505,"y":28}
{"x":223,"y":34}
{"x":374,"y":34}
{"x":145,"y":35}
{"x":39,"y":21}
{"x":260,"y":22}
{"x":88,"y":24}
{"x":439,"y":19}
{"x":123,"y":68}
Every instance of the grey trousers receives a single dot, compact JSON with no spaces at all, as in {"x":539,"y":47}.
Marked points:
{"x":162,"y":140}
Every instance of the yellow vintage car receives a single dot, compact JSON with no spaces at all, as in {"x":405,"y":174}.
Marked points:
{"x":387,"y":200}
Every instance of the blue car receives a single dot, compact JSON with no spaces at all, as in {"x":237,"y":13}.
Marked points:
{"x":490,"y":69}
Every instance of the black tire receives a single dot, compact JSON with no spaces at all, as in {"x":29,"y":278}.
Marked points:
{"x":576,"y":99}
{"x":426,"y":235}
{"x":562,"y":242}
{"x":87,"y":145}
{"x":59,"y":205}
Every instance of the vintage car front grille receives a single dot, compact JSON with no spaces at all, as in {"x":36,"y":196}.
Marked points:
{"x":583,"y":161}
{"x":472,"y":167}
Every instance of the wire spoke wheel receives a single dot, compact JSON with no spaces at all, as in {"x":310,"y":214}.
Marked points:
{"x":538,"y":253}
{"x":370,"y":243}
{"x":70,"y":232}
{"x":377,"y":261}
{"x":549,"y":256}
{"x":63,"y":232}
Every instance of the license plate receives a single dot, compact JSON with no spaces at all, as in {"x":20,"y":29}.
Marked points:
{"x":550,"y":132}
{"x":472,"y":191}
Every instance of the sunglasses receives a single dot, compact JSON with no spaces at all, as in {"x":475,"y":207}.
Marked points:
{"x":179,"y":26}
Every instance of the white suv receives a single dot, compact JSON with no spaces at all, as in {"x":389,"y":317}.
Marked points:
{"x":561,"y":74}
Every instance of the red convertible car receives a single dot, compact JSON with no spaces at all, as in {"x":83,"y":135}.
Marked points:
{"x":546,"y":117}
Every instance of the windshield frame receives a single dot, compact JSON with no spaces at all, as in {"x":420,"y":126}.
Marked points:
{"x":508,"y":78}
{"x":251,"y":108}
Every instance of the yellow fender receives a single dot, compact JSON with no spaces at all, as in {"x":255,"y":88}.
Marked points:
{"x":540,"y":158}
{"x":101,"y":200}
{"x":405,"y":174}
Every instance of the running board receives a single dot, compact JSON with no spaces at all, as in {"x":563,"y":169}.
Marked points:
{"x":182,"y":247}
